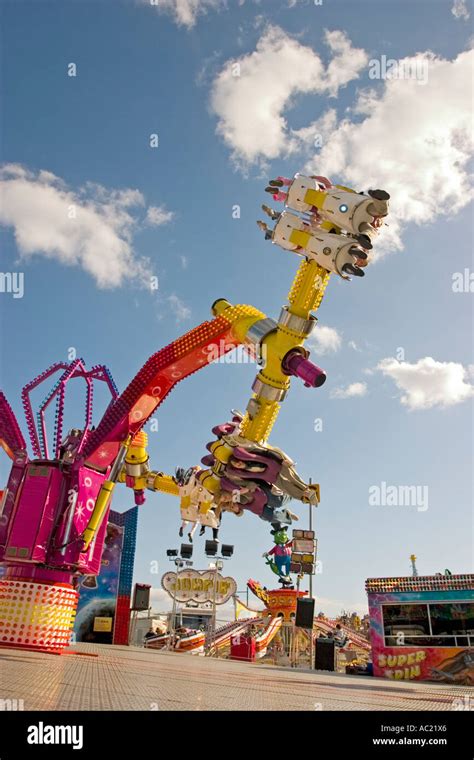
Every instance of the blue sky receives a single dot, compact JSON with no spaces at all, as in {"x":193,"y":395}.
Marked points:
{"x":142,"y":70}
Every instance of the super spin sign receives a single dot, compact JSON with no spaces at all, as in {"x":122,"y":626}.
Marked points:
{"x":196,"y":586}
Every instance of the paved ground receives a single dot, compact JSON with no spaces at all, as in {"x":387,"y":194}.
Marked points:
{"x":98,"y":677}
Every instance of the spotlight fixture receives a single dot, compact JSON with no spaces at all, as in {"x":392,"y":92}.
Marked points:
{"x":186,"y":551}
{"x":211,"y":548}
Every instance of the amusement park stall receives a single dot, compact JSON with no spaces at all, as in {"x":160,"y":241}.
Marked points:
{"x":422,"y":628}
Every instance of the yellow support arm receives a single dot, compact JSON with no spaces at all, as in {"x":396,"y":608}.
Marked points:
{"x":290,"y":333}
{"x":100,"y":506}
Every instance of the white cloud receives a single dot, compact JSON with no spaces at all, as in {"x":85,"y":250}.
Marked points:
{"x":250,"y":106}
{"x":428,"y":383}
{"x":354,"y":389}
{"x":460,"y":10}
{"x":325,"y":339}
{"x":185,"y":12}
{"x":346,"y":63}
{"x":392,"y":137}
{"x":160,"y":599}
{"x":352,"y":344}
{"x":91,"y":227}
{"x":304,"y":139}
{"x":179,"y":308}
{"x":412,"y":139}
{"x":158,"y":215}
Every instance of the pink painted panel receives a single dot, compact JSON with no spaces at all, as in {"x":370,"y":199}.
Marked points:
{"x":8,"y":502}
{"x":34,"y":504}
{"x":51,"y":509}
{"x":80,"y":498}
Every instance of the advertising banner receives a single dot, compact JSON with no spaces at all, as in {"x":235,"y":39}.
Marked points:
{"x":98,"y":594}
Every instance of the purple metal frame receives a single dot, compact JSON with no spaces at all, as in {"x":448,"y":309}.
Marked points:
{"x":37,"y":432}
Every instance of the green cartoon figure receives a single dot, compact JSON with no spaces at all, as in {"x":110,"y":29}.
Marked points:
{"x":281,"y":555}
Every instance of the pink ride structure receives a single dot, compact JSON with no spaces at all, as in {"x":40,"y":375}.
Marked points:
{"x":45,"y":507}
{"x":53,"y":512}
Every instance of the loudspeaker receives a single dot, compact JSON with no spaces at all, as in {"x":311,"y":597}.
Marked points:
{"x":325,"y":655}
{"x":304,"y":613}
{"x":141,"y":597}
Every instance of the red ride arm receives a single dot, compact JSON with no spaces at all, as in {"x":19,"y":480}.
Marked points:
{"x":150,"y":386}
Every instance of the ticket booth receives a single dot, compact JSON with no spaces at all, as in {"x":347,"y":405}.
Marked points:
{"x":243,"y":647}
